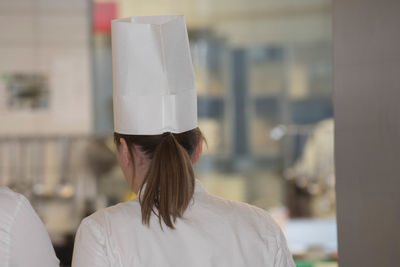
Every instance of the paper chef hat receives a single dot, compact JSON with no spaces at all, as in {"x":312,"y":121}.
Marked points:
{"x":153,"y":80}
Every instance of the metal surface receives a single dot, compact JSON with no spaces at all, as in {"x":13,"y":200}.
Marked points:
{"x":367,"y":131}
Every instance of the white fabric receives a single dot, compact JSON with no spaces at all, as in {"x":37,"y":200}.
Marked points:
{"x":24,"y":241}
{"x":213,"y":232}
{"x":153,"y":78}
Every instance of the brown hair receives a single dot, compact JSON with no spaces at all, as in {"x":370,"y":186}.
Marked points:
{"x":170,"y":178}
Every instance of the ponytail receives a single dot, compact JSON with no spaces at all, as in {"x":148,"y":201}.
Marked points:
{"x":169,"y":181}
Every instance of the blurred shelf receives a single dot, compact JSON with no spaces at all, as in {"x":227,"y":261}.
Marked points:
{"x":311,"y":110}
{"x":210,"y":106}
{"x":233,"y":164}
{"x":304,"y":111}
{"x":266,"y":106}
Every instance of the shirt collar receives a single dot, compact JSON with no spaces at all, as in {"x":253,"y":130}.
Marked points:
{"x":198,"y":187}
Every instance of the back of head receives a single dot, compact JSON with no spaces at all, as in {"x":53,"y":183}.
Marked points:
{"x":169,"y":181}
{"x":155,"y":108}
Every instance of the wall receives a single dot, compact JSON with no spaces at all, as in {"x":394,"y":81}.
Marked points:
{"x":49,"y":37}
{"x":367,"y":131}
{"x":245,"y":23}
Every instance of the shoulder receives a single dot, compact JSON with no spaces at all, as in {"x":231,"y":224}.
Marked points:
{"x":16,"y":210}
{"x":261,"y":221}
{"x":254,"y":220}
{"x":234,"y":208}
{"x":106,"y":217}
{"x":7,"y":196}
{"x":11,"y":203}
{"x":259,"y":217}
{"x":98,"y":227}
{"x":244,"y":215}
{"x":23,"y":231}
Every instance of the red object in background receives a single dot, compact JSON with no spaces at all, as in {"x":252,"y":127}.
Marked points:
{"x":103,"y":13}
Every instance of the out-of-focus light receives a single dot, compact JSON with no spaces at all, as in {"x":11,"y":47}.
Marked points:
{"x":66,"y":191}
{"x":278,"y":132}
{"x":38,"y":189}
{"x":103,"y":13}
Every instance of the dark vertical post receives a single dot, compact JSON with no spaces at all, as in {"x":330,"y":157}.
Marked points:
{"x":102,"y":85}
{"x":240,"y":97}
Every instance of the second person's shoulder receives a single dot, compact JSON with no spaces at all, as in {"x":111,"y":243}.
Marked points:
{"x":7,"y":196}
{"x":11,"y":202}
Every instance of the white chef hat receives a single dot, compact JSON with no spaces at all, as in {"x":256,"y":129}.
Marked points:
{"x":153,"y":80}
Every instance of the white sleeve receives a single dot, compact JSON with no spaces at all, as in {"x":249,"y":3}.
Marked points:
{"x":283,"y":257}
{"x":89,"y":248}
{"x":30,"y":244}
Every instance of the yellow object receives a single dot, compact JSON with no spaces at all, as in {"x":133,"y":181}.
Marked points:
{"x":129,"y":196}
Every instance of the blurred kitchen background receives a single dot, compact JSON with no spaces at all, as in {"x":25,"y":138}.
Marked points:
{"x":264,"y":79}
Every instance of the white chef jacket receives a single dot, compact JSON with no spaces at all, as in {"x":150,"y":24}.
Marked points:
{"x":213,"y":232}
{"x":24,"y":241}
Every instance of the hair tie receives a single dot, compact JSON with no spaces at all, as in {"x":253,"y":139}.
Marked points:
{"x":167,"y":134}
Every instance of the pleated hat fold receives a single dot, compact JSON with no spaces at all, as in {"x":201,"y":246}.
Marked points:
{"x":153,"y":80}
